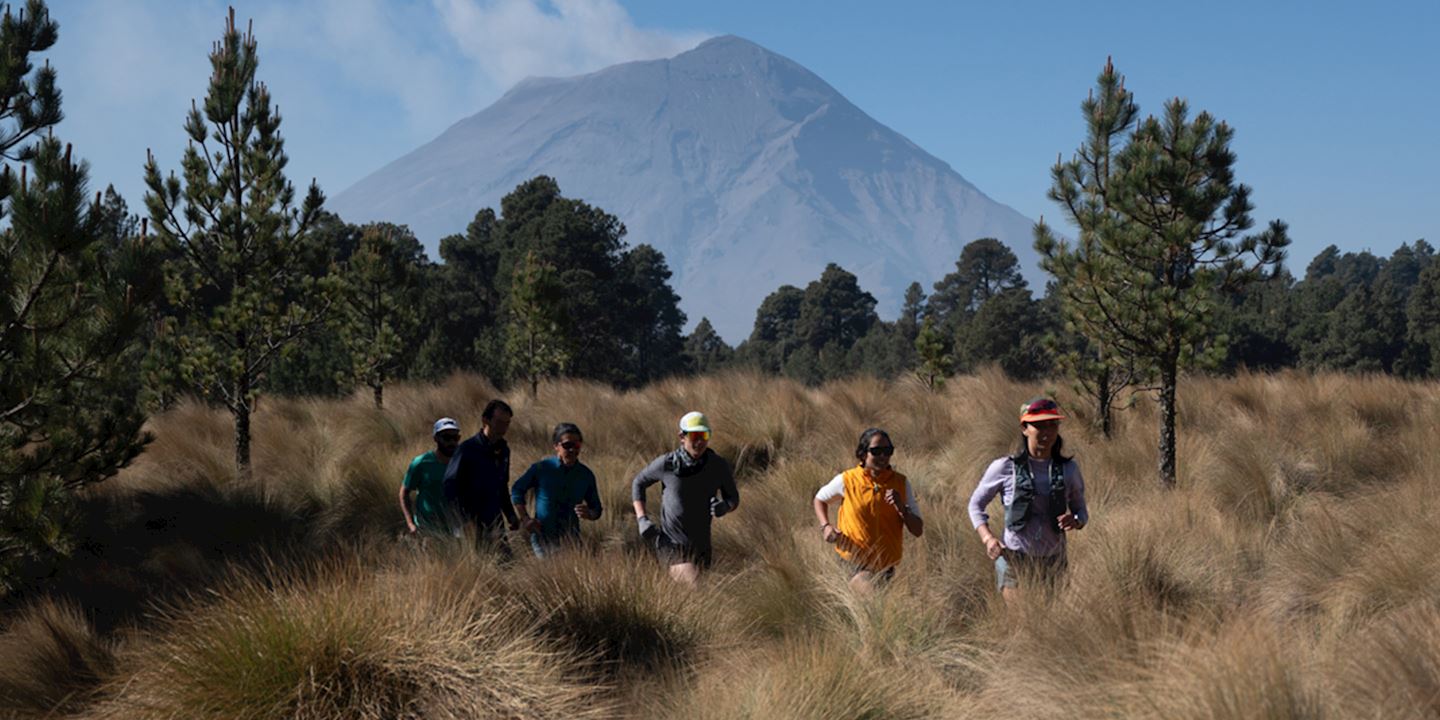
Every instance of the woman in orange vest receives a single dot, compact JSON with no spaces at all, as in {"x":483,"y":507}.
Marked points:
{"x":877,"y":505}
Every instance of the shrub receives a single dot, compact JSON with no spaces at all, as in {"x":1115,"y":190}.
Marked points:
{"x":336,"y":640}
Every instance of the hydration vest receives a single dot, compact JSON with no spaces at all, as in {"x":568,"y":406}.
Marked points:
{"x":1018,"y":512}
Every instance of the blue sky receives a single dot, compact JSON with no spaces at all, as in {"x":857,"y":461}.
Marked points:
{"x":1336,"y":105}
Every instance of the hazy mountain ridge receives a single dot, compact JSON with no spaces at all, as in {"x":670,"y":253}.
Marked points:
{"x":747,"y":170}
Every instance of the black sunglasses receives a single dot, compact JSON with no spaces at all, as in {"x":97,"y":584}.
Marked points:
{"x":570,"y":445}
{"x":882,"y":450}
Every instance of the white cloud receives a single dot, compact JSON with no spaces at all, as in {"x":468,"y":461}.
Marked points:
{"x":360,"y":81}
{"x":514,"y":39}
{"x":375,"y":47}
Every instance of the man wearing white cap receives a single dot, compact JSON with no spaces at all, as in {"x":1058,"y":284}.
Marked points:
{"x":422,"y":494}
{"x":690,"y":478}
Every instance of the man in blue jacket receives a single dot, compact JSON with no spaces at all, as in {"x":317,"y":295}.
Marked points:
{"x":565,"y":493}
{"x":477,"y":480}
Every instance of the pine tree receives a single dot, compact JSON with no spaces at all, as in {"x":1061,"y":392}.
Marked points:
{"x":75,"y":287}
{"x":535,"y":340}
{"x":1008,"y":329}
{"x":463,"y":302}
{"x":935,"y":361}
{"x":650,"y":320}
{"x":985,"y":269}
{"x":376,"y":313}
{"x":1161,"y":222}
{"x":911,"y":313}
{"x":240,"y":292}
{"x":1423,"y":321}
{"x":321,"y":364}
{"x":834,"y":309}
{"x":582,"y":247}
{"x":773,"y":337}
{"x":706,"y":350}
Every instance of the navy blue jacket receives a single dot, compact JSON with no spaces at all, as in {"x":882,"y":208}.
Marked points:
{"x":477,"y":480}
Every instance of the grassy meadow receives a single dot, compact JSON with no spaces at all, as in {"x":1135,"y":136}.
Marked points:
{"x":1293,"y":573}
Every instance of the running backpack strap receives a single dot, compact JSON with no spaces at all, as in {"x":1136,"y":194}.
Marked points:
{"x":1018,"y":511}
{"x":1059,"y":501}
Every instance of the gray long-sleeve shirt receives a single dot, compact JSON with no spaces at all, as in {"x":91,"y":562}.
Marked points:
{"x":685,"y":501}
{"x":1037,"y":537}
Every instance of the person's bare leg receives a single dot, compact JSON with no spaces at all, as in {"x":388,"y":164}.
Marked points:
{"x":688,"y":573}
{"x":863,"y":582}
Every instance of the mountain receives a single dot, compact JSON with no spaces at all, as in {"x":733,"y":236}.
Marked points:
{"x":745,"y":169}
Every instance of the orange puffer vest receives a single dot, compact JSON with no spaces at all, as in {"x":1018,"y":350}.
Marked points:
{"x":875,"y":532}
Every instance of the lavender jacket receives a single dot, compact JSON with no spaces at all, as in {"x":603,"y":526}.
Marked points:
{"x":1037,"y":537}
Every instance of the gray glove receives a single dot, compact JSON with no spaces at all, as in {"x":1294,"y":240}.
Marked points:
{"x":719,"y":507}
{"x":648,"y":530}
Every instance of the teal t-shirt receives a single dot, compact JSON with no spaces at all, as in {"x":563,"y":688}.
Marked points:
{"x":427,"y":477}
{"x":558,"y":489}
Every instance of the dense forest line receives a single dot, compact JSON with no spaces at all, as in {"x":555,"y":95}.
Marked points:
{"x":617,"y":318}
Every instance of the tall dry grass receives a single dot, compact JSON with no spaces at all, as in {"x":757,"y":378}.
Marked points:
{"x":1291,"y":574}
{"x":51,"y":661}
{"x":343,"y":638}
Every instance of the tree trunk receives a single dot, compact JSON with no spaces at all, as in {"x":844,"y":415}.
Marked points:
{"x":1168,"y":376}
{"x":1105,"y":402}
{"x":379,"y":395}
{"x":534,"y":371}
{"x":242,"y":430}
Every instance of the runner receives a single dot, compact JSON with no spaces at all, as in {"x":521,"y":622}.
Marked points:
{"x":689,"y":478}
{"x":1044,"y":498}
{"x":477,"y":480}
{"x":565,"y":493}
{"x":422,"y":493}
{"x":877,"y":504}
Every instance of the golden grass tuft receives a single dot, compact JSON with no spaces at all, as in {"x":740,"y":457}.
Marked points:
{"x":1394,"y":670}
{"x":51,"y":661}
{"x":624,"y":613}
{"x":809,"y":679}
{"x":333,"y":641}
{"x":1247,"y":671}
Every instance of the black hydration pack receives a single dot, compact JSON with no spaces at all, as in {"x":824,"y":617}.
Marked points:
{"x":1017,"y":513}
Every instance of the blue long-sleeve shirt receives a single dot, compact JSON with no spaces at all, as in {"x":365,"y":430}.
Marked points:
{"x":558,"y":489}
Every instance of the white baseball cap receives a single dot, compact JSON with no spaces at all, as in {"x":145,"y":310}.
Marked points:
{"x":694,"y":422}
{"x":444,"y":424}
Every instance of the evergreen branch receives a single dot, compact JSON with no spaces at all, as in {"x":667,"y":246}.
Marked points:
{"x":19,"y":137}
{"x":70,"y":376}
{"x":1111,"y":321}
{"x":190,"y":250}
{"x":187,"y":243}
{"x":33,"y":295}
{"x":275,"y":343}
{"x":209,"y":161}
